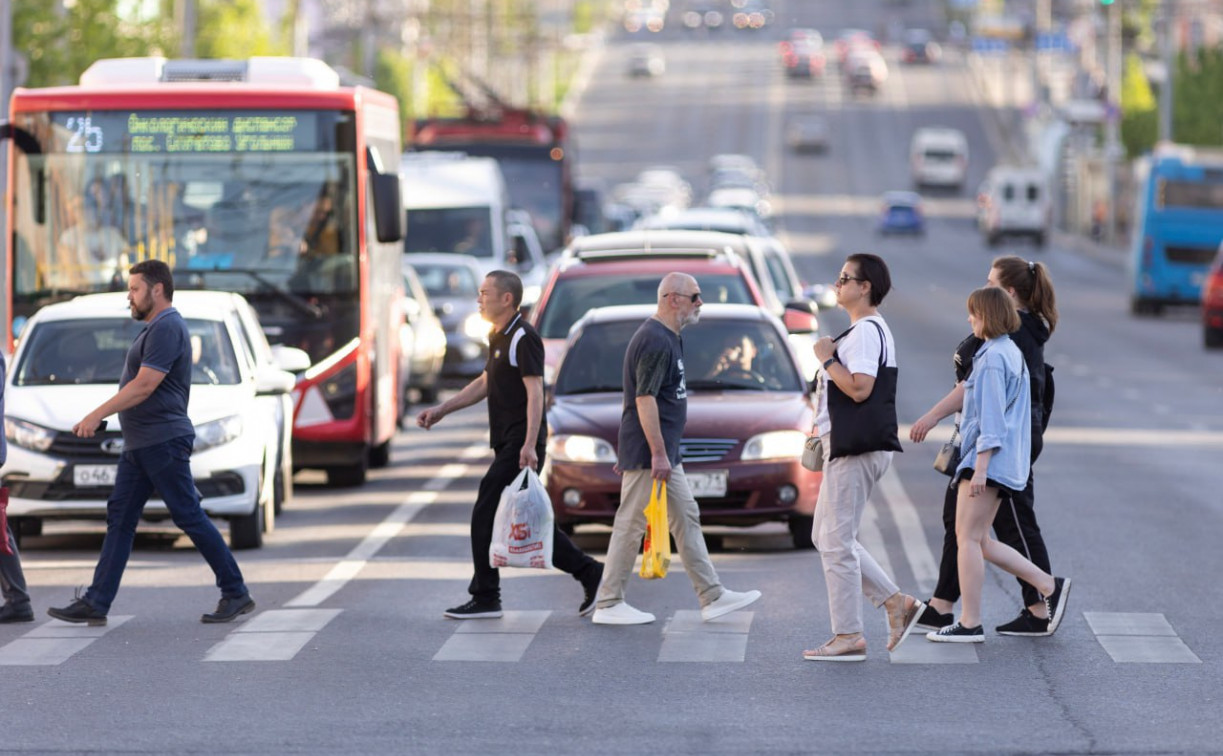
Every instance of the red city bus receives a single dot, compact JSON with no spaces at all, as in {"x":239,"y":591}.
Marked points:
{"x":261,"y":176}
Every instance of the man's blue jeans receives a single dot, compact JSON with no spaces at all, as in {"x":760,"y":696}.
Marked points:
{"x":166,"y":468}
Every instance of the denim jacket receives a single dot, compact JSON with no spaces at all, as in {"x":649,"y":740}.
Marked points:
{"x":997,"y":399}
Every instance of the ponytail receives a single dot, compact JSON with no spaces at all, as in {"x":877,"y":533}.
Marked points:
{"x":1032,"y":285}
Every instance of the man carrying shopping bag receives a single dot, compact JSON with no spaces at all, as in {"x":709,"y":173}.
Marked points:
{"x":512,"y":382}
{"x":655,"y":410}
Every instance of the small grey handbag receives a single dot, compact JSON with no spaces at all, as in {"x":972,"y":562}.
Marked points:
{"x":813,"y":452}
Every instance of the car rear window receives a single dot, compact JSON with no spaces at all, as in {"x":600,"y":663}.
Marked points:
{"x":571,"y":298}
{"x":939,"y":154}
{"x":719,"y":355}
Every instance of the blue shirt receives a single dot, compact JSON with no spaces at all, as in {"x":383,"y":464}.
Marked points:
{"x":165,"y":346}
{"x":997,"y":413}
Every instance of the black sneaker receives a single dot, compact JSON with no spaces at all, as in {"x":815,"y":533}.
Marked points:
{"x":229,"y":608}
{"x":590,"y":584}
{"x":16,"y":613}
{"x":1056,"y":602}
{"x":1026,"y":625}
{"x":78,"y":611}
{"x":932,"y":619}
{"x":475,"y":609}
{"x":957,"y":633}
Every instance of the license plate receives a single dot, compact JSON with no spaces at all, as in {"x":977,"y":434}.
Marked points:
{"x":707,"y":485}
{"x":92,"y":476}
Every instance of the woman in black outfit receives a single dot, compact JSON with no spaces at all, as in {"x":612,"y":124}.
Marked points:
{"x":1015,"y":525}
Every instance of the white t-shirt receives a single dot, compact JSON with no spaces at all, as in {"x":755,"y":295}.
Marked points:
{"x":859,"y":353}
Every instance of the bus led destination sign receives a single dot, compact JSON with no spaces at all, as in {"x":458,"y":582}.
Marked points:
{"x":158,"y":132}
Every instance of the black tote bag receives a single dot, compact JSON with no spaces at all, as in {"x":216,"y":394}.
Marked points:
{"x":868,"y":426}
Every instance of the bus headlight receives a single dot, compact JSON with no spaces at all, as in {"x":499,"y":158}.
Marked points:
{"x":28,"y":435}
{"x":217,"y":432}
{"x":580,"y":449}
{"x":774,"y":445}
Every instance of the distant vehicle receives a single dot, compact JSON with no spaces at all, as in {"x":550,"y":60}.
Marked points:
{"x":423,"y":340}
{"x":802,"y":53}
{"x":901,"y":213}
{"x":69,"y":360}
{"x":646,"y":60}
{"x":850,"y":40}
{"x":919,"y":47}
{"x":726,"y":220}
{"x":729,"y":161}
{"x":938,"y":157}
{"x":749,"y":410}
{"x":1178,"y":225}
{"x":807,"y":133}
{"x":452,"y":283}
{"x":460,"y":204}
{"x":1212,"y":304}
{"x":1014,"y":201}
{"x":743,"y":198}
{"x":751,"y":14}
{"x":865,"y":71}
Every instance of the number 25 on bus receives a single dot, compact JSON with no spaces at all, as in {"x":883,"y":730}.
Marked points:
{"x":261,"y":176}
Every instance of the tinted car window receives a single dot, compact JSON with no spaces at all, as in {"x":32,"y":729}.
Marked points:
{"x":571,"y":298}
{"x":720,"y":354}
{"x":447,"y":280}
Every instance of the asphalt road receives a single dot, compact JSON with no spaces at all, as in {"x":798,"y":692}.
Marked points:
{"x":348,"y":652}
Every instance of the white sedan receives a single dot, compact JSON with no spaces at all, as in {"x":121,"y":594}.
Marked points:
{"x":69,"y":361}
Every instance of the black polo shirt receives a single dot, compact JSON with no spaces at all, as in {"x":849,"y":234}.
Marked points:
{"x":513,"y":352}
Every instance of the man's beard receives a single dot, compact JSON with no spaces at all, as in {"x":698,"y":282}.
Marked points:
{"x":139,"y":312}
{"x":690,"y":319}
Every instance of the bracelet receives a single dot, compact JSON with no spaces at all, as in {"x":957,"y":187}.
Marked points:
{"x":828,"y":362}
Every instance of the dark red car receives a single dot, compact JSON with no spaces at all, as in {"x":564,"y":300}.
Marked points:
{"x":749,"y":411}
{"x":1212,"y":304}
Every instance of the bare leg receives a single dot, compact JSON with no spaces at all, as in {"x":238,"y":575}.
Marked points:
{"x":1006,"y":558}
{"x":972,"y":521}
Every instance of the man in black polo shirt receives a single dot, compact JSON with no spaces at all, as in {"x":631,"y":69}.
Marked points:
{"x":512,"y":382}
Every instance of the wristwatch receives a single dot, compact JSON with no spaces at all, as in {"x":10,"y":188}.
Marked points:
{"x":828,"y":362}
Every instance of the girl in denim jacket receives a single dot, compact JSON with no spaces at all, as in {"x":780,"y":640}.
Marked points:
{"x":996,"y":432}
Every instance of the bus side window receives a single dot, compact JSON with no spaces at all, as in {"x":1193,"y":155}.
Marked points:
{"x":1033,"y":192}
{"x":1008,"y":192}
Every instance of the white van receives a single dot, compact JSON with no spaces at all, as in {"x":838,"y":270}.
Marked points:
{"x":454,"y":202}
{"x":938,"y":157}
{"x":1014,"y":201}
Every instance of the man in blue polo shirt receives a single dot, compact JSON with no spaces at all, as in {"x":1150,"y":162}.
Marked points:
{"x":157,"y":441}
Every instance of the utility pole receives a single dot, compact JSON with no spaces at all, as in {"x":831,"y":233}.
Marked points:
{"x":1168,"y":11}
{"x":1112,"y":139}
{"x":186,"y":20}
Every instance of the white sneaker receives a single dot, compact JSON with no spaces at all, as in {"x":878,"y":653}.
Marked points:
{"x":621,"y":614}
{"x":728,"y":602}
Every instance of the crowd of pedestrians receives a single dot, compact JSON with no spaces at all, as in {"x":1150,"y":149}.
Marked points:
{"x":1002,"y":399}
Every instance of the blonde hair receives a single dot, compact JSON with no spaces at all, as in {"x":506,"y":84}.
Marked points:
{"x":996,"y":310}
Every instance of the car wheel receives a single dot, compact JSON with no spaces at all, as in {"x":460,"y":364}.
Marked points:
{"x":380,"y":455}
{"x":1212,"y":338}
{"x":800,"y":531}
{"x":246,"y":532}
{"x":278,"y":491}
{"x":348,"y":476}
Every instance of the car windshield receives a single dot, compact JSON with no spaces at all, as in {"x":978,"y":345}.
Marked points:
{"x":452,"y":281}
{"x":719,"y":355}
{"x":465,"y":230}
{"x":571,"y":298}
{"x":62,"y":352}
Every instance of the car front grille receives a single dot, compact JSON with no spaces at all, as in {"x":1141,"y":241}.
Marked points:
{"x":62,"y":489}
{"x":694,"y":450}
{"x":70,"y":446}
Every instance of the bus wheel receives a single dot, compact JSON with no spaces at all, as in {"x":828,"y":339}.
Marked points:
{"x":348,"y":476}
{"x":380,"y":455}
{"x":1140,"y":306}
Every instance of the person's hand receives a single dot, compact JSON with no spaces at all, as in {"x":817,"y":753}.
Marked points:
{"x":87,"y":427}
{"x":429,"y":417}
{"x":919,"y":430}
{"x":527,"y":457}
{"x":660,"y":466}
{"x":977,"y":485}
{"x":824,"y":349}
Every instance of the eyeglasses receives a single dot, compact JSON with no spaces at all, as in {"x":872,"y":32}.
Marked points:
{"x":846,"y":279}
{"x":692,"y":297}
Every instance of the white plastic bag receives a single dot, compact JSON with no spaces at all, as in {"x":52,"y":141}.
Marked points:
{"x":522,"y":527}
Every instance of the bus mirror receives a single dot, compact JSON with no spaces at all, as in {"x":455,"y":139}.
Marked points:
{"x":25,"y":141}
{"x":388,"y":206}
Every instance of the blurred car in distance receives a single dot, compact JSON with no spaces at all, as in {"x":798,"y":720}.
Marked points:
{"x":452,"y":282}
{"x":938,"y":157}
{"x":1014,"y":201}
{"x":1212,"y":304}
{"x":865,"y":71}
{"x":807,"y":133}
{"x":422,"y":341}
{"x":901,"y":213}
{"x":646,"y":59}
{"x":919,"y":47}
{"x":802,"y":54}
{"x":726,"y":220}
{"x":749,"y":410}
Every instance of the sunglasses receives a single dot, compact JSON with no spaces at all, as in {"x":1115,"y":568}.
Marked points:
{"x":846,"y":279}
{"x":692,"y":297}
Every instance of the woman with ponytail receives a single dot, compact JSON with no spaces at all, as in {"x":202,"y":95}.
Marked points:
{"x":1031,"y":289}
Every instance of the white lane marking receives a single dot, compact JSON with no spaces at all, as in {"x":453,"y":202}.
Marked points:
{"x":687,"y":639}
{"x":348,"y":568}
{"x":54,"y":642}
{"x":246,"y":647}
{"x":917,"y":650}
{"x":1128,"y":623}
{"x":912,"y":536}
{"x":494,"y":640}
{"x":289,"y":620}
{"x":1139,"y":638}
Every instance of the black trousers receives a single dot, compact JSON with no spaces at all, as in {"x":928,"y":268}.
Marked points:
{"x":1015,"y":525}
{"x":486,"y":582}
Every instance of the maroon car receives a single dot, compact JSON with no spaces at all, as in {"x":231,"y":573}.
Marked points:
{"x":749,"y":411}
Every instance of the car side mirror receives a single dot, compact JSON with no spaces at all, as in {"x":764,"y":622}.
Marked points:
{"x":290,"y":359}
{"x":823,"y":295}
{"x":799,"y":317}
{"x":272,"y":381}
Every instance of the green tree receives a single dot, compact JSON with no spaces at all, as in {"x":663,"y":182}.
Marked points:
{"x":234,"y":29}
{"x":60,"y":45}
{"x":1139,"y":112}
{"x":1197,"y":97}
{"x":393,"y":75}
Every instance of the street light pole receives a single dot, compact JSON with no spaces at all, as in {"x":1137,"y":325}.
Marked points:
{"x":1165,"y":52}
{"x":1112,"y":140}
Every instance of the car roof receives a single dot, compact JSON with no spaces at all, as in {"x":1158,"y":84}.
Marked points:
{"x":201,"y":305}
{"x":442,"y":258}
{"x":618,"y":313}
{"x":722,"y":217}
{"x":939,"y":134}
{"x":646,"y":240}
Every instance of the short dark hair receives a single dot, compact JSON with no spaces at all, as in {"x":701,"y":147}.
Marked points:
{"x":507,"y":283}
{"x":155,"y":272}
{"x":875,"y":270}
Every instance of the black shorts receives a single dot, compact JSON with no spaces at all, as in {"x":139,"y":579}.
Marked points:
{"x":1004,"y":492}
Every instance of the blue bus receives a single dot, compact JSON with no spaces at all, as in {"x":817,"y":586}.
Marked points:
{"x":1178,"y":226}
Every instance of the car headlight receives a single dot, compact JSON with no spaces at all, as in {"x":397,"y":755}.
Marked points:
{"x":476,"y":327}
{"x":774,"y":445}
{"x":217,"y":432}
{"x":28,"y":435}
{"x":581,"y":449}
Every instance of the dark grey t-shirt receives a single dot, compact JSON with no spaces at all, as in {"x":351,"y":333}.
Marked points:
{"x":165,"y":346}
{"x":653,"y":366}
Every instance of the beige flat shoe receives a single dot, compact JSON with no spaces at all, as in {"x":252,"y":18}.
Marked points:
{"x":900,"y":624}
{"x":837,"y":650}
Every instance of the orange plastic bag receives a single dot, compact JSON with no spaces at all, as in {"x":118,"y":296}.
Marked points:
{"x":656,"y":548}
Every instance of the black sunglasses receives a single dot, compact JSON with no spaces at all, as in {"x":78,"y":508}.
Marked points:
{"x":692,"y":297}
{"x":846,"y":279}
